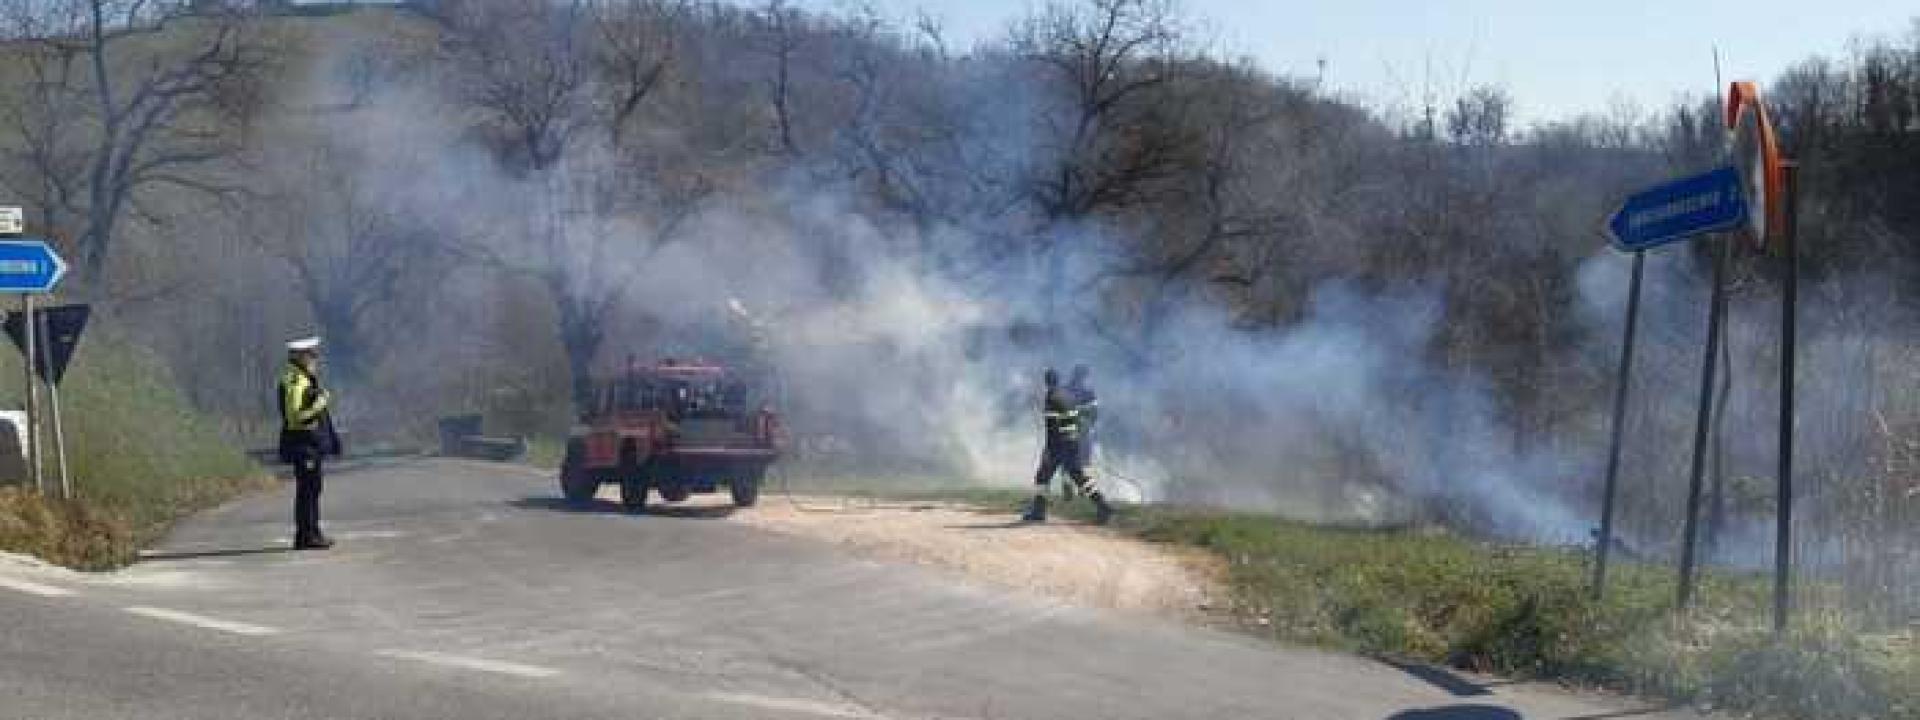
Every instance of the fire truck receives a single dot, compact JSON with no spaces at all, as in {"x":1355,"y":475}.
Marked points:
{"x":675,"y":428}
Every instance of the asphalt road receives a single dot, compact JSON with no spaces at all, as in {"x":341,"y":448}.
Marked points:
{"x":464,"y":590}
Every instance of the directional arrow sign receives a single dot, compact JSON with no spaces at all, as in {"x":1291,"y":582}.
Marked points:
{"x":29,"y":266}
{"x":1708,"y":202}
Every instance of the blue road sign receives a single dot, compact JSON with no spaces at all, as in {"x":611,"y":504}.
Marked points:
{"x":1677,"y":210}
{"x":29,"y":266}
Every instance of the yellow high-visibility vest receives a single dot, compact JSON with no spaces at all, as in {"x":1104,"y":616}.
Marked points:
{"x":301,"y":403}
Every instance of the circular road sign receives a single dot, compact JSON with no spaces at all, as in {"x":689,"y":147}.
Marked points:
{"x":1756,"y":153}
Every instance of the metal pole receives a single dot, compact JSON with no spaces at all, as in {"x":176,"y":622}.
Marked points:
{"x":1789,"y":291}
{"x":53,"y":403}
{"x":1716,"y":501}
{"x":33,"y":394}
{"x":1620,"y":388}
{"x":1691,"y":532}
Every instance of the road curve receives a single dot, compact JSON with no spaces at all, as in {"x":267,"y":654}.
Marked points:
{"x":464,"y":590}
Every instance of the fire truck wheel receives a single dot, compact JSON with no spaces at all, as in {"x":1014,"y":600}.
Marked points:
{"x":633,"y":494}
{"x":633,"y":485}
{"x":745,"y":489}
{"x":576,"y":484}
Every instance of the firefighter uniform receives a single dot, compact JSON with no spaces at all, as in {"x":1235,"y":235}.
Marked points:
{"x":1060,"y":415}
{"x":1085,"y":401}
{"x":306,"y":438}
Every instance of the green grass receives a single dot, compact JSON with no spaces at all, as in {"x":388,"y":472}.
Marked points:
{"x":141,"y":456}
{"x":1527,"y":612}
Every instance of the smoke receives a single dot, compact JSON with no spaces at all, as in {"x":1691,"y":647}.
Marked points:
{"x":887,"y":366}
{"x":911,"y":348}
{"x":915,"y":349}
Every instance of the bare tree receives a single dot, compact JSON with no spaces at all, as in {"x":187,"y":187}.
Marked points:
{"x":780,"y":38}
{"x":354,"y":244}
{"x":1480,"y":117}
{"x":1221,"y":201}
{"x":897,"y":117}
{"x":1108,"y":57}
{"x":140,"y":117}
{"x":588,"y":218}
{"x":527,"y":66}
{"x":637,"y":40}
{"x":1109,"y":140}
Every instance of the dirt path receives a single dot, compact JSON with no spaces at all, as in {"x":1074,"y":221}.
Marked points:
{"x":1067,"y":561}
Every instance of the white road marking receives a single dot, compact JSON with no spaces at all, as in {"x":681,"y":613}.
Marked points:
{"x":176,"y":556}
{"x":372,"y":534}
{"x":146,"y":576}
{"x":34,"y":588}
{"x":470,"y":663}
{"x":812,"y":707}
{"x":184,"y":618}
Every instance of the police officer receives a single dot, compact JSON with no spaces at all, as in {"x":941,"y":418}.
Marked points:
{"x":1088,"y":404}
{"x":1061,"y":417}
{"x":306,"y":436}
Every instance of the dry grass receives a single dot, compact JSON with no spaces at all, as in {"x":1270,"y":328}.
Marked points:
{"x":1066,"y":561}
{"x":76,"y":534}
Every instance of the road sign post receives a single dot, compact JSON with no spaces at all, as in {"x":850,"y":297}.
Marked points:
{"x":1620,"y":390}
{"x":1680,"y":209}
{"x":53,"y":403}
{"x":28,"y":268}
{"x":1716,"y":311}
{"x":55,"y":334}
{"x":1771,"y":183}
{"x":33,"y":399}
{"x":1783,"y":538}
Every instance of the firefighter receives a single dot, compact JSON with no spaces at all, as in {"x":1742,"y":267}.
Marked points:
{"x":1061,"y":417}
{"x":1088,"y":404}
{"x":306,"y":437}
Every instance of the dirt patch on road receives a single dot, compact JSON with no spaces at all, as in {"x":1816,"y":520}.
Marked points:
{"x":1070,"y":562}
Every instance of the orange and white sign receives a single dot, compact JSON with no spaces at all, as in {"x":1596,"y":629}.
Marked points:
{"x":1756,"y":153}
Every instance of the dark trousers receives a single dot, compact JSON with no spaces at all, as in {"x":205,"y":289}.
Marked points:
{"x":306,"y":495}
{"x":1085,"y":445}
{"x":1058,"y":454}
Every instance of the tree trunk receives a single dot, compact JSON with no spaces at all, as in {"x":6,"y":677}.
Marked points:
{"x":580,"y":335}
{"x":102,"y":205}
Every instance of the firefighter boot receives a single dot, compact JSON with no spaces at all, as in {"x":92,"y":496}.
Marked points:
{"x":1036,"y":512}
{"x":1102,"y":512}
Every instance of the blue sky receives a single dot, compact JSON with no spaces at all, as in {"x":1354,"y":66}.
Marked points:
{"x":1557,"y":58}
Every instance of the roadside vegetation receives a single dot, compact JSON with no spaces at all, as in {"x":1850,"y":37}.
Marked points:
{"x":1527,"y":612}
{"x":142,"y":458}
